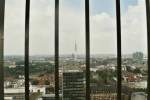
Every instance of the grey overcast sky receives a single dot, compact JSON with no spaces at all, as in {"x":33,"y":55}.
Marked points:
{"x":72,"y":27}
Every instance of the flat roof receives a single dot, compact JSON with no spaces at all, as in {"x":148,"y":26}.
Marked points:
{"x":70,"y":71}
{"x":14,"y":90}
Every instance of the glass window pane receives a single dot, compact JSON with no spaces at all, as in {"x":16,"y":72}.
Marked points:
{"x":14,"y":50}
{"x":103,"y":50}
{"x":134,"y":50}
{"x":72,"y":49}
{"x":42,"y":76}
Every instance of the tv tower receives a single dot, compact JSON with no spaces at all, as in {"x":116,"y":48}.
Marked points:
{"x":74,"y":55}
{"x":75,"y":49}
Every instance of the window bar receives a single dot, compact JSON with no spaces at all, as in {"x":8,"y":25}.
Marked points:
{"x":27,"y":14}
{"x":56,"y":49}
{"x":87,"y":34}
{"x":2,"y":11}
{"x":148,"y":45}
{"x":118,"y":19}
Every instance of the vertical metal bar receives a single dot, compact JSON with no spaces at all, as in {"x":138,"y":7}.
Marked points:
{"x":2,"y":11}
{"x":148,"y":45}
{"x":27,"y":17}
{"x":118,"y":22}
{"x":87,"y":34}
{"x":56,"y":49}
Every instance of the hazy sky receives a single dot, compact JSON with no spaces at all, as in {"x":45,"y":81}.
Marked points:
{"x":72,"y":27}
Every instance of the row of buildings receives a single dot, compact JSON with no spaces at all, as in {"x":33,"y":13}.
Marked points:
{"x":73,"y":88}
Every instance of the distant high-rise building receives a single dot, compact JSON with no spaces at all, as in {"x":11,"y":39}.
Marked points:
{"x":73,"y":85}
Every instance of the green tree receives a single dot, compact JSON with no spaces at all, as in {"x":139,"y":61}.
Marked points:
{"x":47,"y":82}
{"x":137,"y":70}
